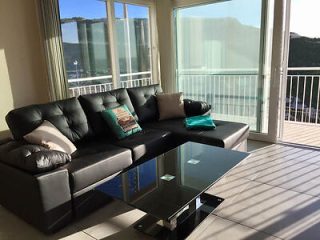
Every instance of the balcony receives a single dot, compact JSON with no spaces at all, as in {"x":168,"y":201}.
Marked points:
{"x":233,"y":95}
{"x":79,"y":86}
{"x":302,"y":113}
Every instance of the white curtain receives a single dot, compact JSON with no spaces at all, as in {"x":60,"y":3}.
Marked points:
{"x":54,"y":49}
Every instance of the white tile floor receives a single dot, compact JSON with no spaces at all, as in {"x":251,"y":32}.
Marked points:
{"x":274,"y":194}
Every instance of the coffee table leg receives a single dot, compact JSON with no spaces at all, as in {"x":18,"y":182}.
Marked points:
{"x":181,"y":225}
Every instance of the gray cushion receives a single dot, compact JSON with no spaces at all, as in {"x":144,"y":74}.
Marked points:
{"x":170,"y":105}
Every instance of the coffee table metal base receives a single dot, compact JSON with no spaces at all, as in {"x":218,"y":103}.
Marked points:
{"x":183,"y":223}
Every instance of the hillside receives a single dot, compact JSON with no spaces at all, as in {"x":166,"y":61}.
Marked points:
{"x":304,"y":51}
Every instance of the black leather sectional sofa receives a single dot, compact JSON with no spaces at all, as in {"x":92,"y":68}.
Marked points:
{"x":49,"y":200}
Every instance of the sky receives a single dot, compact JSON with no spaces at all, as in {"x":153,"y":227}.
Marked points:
{"x":305,"y":17}
{"x":247,"y":12}
{"x":304,"y":13}
{"x":92,"y":9}
{"x":96,"y":9}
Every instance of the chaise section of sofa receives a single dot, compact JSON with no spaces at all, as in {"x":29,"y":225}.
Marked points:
{"x":226,"y":135}
{"x":229,"y":135}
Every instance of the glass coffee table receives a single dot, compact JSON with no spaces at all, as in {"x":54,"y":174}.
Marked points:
{"x":171,"y":188}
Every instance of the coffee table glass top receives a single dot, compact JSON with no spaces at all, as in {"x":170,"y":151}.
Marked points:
{"x":166,"y":184}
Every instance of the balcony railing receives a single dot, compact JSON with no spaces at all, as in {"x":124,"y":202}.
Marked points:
{"x":233,"y":96}
{"x":80,"y":86}
{"x":302,"y":99}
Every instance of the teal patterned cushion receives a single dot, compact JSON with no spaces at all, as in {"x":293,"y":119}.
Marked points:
{"x":199,"y":122}
{"x":121,"y":121}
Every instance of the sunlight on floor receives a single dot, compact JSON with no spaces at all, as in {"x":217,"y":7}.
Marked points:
{"x":273,"y":194}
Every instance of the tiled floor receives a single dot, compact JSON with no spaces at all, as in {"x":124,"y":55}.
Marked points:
{"x":273,"y":194}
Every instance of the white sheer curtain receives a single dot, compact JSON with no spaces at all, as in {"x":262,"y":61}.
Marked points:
{"x":54,"y":49}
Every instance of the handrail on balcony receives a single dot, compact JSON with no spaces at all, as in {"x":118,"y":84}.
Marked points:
{"x":135,"y":74}
{"x":303,"y":68}
{"x":88,"y":86}
{"x":220,"y":71}
{"x":75,"y":80}
{"x":302,"y":99}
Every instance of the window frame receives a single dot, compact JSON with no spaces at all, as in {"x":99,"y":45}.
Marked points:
{"x":113,"y":49}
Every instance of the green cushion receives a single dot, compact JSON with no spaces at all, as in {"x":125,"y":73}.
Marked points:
{"x":199,"y":122}
{"x":121,"y":121}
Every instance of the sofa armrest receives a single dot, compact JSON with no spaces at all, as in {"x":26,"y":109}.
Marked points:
{"x":43,"y":200}
{"x":194,"y":108}
{"x":31,"y":158}
{"x":5,"y":140}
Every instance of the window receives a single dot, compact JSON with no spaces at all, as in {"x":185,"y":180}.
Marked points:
{"x":219,"y":59}
{"x":88,"y":54}
{"x":133,"y":39}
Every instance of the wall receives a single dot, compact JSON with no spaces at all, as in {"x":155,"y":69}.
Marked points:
{"x":166,"y":49}
{"x":23,"y":78}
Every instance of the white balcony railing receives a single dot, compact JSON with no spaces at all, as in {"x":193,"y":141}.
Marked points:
{"x":233,"y":96}
{"x":302,"y":100}
{"x":79,"y":86}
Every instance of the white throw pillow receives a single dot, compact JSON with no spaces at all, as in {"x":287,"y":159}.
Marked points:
{"x":50,"y":137}
{"x":170,"y":105}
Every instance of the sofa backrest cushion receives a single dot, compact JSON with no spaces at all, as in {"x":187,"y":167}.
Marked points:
{"x":94,"y":104}
{"x":66,"y":115}
{"x":144,"y":102}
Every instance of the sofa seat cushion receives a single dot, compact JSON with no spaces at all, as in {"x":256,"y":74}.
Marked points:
{"x":147,"y":143}
{"x":226,"y":134}
{"x":95,"y":162}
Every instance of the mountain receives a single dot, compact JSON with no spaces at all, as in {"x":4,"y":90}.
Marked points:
{"x":304,"y":51}
{"x":294,"y":35}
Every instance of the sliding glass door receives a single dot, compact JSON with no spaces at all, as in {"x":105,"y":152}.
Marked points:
{"x":219,"y":59}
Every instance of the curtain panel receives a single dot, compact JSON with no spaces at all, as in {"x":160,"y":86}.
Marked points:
{"x":54,"y":49}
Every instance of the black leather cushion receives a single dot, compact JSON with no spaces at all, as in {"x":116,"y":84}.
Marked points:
{"x":144,"y":102}
{"x":94,"y":104}
{"x":94,"y":162}
{"x":32,"y":158}
{"x":147,"y":144}
{"x":194,"y":108}
{"x":66,"y":115}
{"x":226,"y":134}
